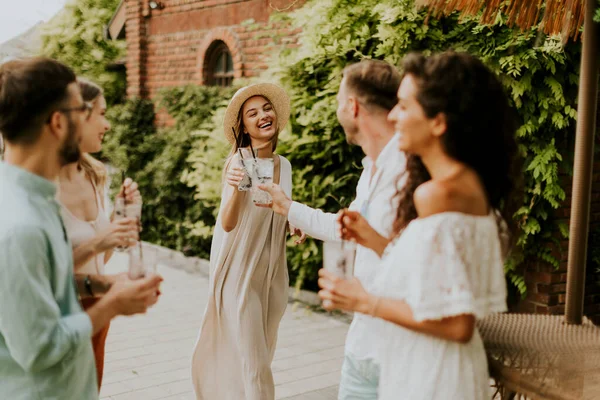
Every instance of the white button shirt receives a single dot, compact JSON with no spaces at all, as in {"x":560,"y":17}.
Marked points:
{"x":375,"y":200}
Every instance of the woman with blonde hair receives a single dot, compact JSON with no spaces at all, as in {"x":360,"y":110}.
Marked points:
{"x":248,"y":268}
{"x":81,"y":193}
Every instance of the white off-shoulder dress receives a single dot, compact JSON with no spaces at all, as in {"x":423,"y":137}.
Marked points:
{"x":443,"y":265}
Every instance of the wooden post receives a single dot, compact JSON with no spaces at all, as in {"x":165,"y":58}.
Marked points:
{"x":583,"y":167}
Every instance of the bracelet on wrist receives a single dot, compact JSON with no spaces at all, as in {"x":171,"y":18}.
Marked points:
{"x":87,"y":283}
{"x":374,"y":306}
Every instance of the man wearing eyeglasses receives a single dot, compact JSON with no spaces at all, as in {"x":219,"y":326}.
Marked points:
{"x":45,"y":337}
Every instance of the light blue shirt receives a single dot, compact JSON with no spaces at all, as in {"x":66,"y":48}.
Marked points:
{"x":45,"y":337}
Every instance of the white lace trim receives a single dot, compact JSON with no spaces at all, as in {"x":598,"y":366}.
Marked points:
{"x":446,"y":265}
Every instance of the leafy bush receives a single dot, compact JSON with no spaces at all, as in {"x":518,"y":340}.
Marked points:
{"x":540,"y":77}
{"x":157,"y":160}
{"x":193,"y":109}
{"x":206,"y":168}
{"x":75,"y":36}
{"x":180,"y":168}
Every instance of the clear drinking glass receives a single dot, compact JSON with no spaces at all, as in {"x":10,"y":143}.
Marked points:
{"x":134,"y":210}
{"x":142,"y":261}
{"x":120,"y":213}
{"x":130,"y":210}
{"x":263,"y":175}
{"x":247,"y":162}
{"x":339,"y":257}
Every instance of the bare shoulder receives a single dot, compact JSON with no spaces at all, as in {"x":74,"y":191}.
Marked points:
{"x":434,"y":197}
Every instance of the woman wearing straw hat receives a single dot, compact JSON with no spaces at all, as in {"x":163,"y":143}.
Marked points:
{"x":248,"y":269}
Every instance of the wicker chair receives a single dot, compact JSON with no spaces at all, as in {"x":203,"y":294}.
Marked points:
{"x":541,"y":357}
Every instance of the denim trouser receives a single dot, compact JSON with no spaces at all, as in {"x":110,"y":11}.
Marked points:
{"x":360,"y":379}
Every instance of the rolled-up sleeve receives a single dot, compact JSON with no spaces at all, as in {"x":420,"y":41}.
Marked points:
{"x":36,"y":334}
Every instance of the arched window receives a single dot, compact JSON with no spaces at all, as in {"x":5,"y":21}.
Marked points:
{"x":219,"y":65}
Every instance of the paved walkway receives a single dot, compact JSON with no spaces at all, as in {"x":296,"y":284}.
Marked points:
{"x":148,"y":357}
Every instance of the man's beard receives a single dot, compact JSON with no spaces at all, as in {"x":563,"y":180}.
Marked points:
{"x":70,"y":152}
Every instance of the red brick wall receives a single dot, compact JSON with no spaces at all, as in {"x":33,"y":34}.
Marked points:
{"x":135,"y":30}
{"x":546,"y":284}
{"x":166,"y":47}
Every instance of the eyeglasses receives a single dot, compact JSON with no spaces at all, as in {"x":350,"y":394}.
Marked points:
{"x":85,"y":107}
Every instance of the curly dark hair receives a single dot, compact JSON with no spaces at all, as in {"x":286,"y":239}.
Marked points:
{"x":481,"y":129}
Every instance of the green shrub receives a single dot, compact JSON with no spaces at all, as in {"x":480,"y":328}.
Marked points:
{"x":180,"y":168}
{"x":539,"y":75}
{"x":157,"y":161}
{"x":75,"y":36}
{"x":206,"y":168}
{"x":193,"y":108}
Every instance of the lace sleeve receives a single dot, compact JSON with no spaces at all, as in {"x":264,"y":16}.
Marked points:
{"x":458,"y":270}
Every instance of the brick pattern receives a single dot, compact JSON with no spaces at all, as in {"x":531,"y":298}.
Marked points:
{"x":177,"y":59}
{"x":231,"y":39}
{"x":167,"y":48}
{"x":266,"y":7}
{"x":208,"y":17}
{"x":135,"y":30}
{"x":547,"y":285}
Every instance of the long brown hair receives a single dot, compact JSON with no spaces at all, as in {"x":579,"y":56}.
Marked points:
{"x":415,"y":175}
{"x":94,"y":169}
{"x":481,"y":130}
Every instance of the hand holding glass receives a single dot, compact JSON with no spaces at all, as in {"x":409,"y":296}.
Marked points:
{"x":263,"y":175}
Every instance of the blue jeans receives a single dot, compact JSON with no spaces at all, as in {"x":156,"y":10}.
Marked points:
{"x":360,"y":379}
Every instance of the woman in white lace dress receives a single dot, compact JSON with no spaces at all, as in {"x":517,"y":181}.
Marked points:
{"x":444,"y":270}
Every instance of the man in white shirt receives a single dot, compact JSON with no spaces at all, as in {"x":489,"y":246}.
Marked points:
{"x":367,"y":94}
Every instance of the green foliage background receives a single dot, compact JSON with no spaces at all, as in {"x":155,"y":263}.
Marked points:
{"x":539,"y":75}
{"x":75,"y":36}
{"x":157,"y":160}
{"x":179,"y":168}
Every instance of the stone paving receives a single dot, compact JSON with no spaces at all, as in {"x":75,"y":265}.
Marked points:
{"x":148,"y":356}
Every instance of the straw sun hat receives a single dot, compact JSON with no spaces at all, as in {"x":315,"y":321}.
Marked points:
{"x":275,"y":94}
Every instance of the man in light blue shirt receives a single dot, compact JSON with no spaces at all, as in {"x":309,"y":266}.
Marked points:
{"x":45,"y":337}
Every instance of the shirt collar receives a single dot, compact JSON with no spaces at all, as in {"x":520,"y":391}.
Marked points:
{"x":32,"y":183}
{"x":390,"y":150}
